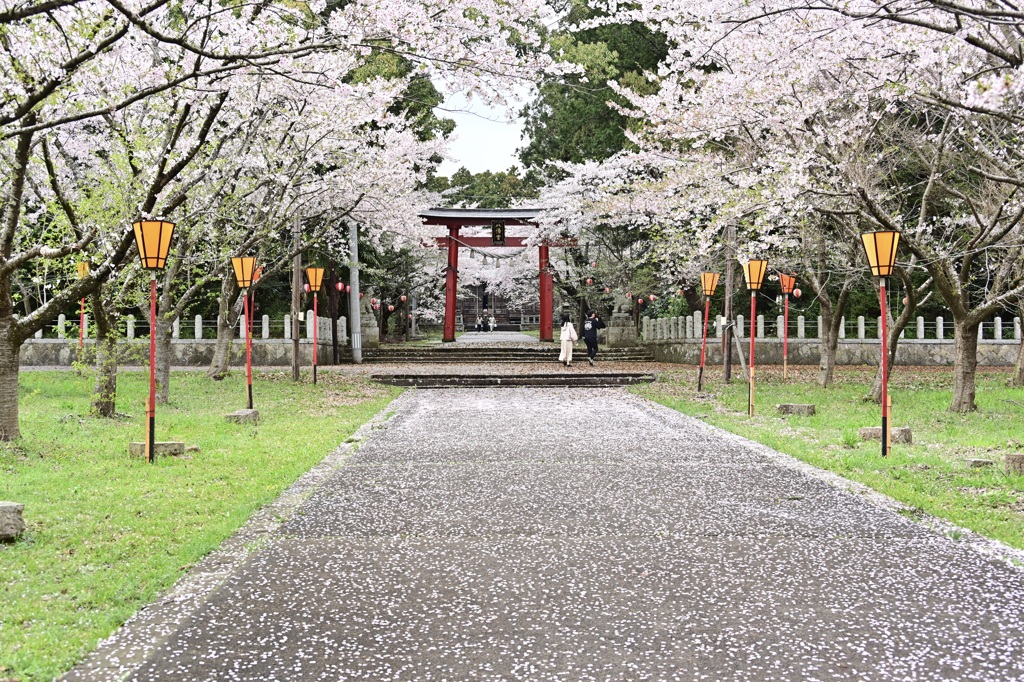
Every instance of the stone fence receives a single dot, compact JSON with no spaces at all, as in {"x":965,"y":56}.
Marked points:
{"x":678,"y":339}
{"x":196,"y":351}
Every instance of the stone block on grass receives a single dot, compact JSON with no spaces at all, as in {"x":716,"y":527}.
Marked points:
{"x":243,"y":416}
{"x":900,"y":434}
{"x":12,"y":524}
{"x":160,"y":449}
{"x":980,"y":463}
{"x":796,"y":408}
{"x":1015,"y":464}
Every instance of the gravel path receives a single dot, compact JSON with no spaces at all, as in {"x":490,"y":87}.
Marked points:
{"x":545,"y":534}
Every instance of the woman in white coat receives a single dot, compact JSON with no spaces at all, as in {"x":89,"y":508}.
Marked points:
{"x":568,"y":337}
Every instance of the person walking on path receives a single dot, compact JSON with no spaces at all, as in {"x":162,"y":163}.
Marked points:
{"x":568,"y":337}
{"x":590,"y":327}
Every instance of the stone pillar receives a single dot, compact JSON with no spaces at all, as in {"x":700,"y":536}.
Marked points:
{"x":287,"y":326}
{"x":860,"y":327}
{"x":760,"y":326}
{"x":1016,"y":329}
{"x":675,"y":328}
{"x":309,"y":324}
{"x":819,"y":326}
{"x":999,"y":329}
{"x":342,"y":331}
{"x":981,"y":331}
{"x":61,"y":321}
{"x":740,"y":326}
{"x":697,"y":330}
{"x":800,"y":328}
{"x":878,"y":320}
{"x":718,"y":326}
{"x":199,"y":327}
{"x":176,"y":328}
{"x":940,"y":331}
{"x":780,"y":322}
{"x":842,"y":327}
{"x":39,"y":334}
{"x":691,"y":327}
{"x":85,"y":326}
{"x":130,"y":324}
{"x":266,"y":327}
{"x":920,"y":327}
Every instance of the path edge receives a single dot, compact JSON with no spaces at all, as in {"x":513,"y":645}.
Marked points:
{"x":122,"y":653}
{"x":988,"y":547}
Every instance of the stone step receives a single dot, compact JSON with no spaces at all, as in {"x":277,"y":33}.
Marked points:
{"x":448,"y":354}
{"x":597,"y":380}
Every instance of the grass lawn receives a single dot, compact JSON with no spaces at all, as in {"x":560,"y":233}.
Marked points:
{"x":106,"y":534}
{"x":931,"y":476}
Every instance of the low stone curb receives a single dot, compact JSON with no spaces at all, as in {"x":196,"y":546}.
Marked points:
{"x":116,"y":657}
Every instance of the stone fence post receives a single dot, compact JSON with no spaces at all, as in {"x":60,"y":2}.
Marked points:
{"x":940,"y":331}
{"x":130,"y":327}
{"x":309,"y":325}
{"x":999,"y":329}
{"x":801,"y":329}
{"x":61,"y":321}
{"x":842,"y":327}
{"x":199,"y":327}
{"x":176,"y":328}
{"x":920,"y":327}
{"x":1016,"y":329}
{"x":760,"y":326}
{"x":860,"y":327}
{"x":740,"y":326}
{"x":287,"y":326}
{"x":780,"y":322}
{"x":266,"y":327}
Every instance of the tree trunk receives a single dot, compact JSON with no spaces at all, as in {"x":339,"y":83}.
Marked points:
{"x":1018,"y":369}
{"x":896,"y":327}
{"x":164,"y":354}
{"x":221,"y":364}
{"x":229,"y":309}
{"x":10,"y":346}
{"x":730,"y":269}
{"x":694,"y":300}
{"x":829,"y":350}
{"x":965,"y":366}
{"x":104,"y":399}
{"x":829,"y":343}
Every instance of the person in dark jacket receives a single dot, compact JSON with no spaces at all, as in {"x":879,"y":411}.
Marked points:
{"x":590,"y":327}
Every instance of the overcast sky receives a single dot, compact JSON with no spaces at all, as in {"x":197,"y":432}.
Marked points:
{"x":486,"y":138}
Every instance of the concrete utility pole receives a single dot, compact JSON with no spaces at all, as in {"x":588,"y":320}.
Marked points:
{"x":296,"y":295}
{"x":353,"y":297}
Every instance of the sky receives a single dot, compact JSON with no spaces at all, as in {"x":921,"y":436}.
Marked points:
{"x":486,"y":138}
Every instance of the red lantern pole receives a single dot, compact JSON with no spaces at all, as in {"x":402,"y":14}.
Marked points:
{"x":703,"y":345}
{"x":315,"y":325}
{"x":785,"y":339}
{"x":885,"y":372}
{"x":753,"y":329}
{"x":248,"y":347}
{"x":151,"y":411}
{"x":81,"y":325}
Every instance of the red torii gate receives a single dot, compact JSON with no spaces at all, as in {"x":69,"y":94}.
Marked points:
{"x":456,"y":218}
